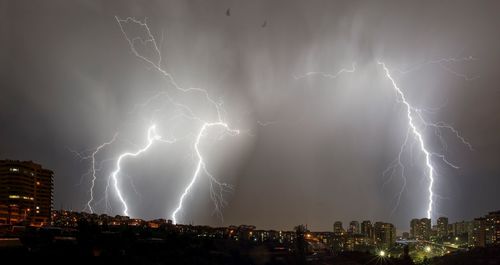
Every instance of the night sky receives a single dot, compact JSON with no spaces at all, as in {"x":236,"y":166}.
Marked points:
{"x":69,"y":81}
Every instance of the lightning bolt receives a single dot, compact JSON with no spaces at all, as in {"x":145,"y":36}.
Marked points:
{"x":412,"y":114}
{"x":94,"y":177}
{"x":442,"y":63}
{"x":183,"y":111}
{"x":416,"y":124}
{"x":329,"y":75}
{"x":152,"y":136}
{"x":202,"y":167}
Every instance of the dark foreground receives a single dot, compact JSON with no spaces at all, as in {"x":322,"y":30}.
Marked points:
{"x":129,"y":246}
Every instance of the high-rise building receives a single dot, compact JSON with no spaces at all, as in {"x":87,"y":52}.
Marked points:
{"x":25,"y":192}
{"x":414,"y":228}
{"x":426,"y":228}
{"x":478,"y":238}
{"x":385,"y":234}
{"x":421,"y":228}
{"x":337,"y":228}
{"x":354,"y":228}
{"x":367,"y":229}
{"x":493,"y":228}
{"x":442,"y":227}
{"x":460,"y":228}
{"x":450,"y":229}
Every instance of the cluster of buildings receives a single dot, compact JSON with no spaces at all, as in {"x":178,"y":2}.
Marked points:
{"x":364,"y":236}
{"x":70,"y":219}
{"x":480,"y":232}
{"x":26,"y":192}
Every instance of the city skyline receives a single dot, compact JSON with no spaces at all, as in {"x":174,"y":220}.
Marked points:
{"x":277,"y":114}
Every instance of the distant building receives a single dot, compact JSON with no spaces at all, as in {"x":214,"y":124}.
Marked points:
{"x":337,"y":228}
{"x":493,"y":228}
{"x":405,"y":235}
{"x":25,"y":192}
{"x":354,"y":228}
{"x":421,"y":228}
{"x":414,"y":228}
{"x":385,"y":234}
{"x":460,"y":228}
{"x":478,"y":238}
{"x":426,"y":231}
{"x":450,"y":229}
{"x":442,"y":227}
{"x":367,"y":229}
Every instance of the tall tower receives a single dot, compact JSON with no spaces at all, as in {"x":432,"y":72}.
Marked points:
{"x":354,"y":228}
{"x":442,"y":227}
{"x":337,"y":228}
{"x":25,"y":192}
{"x":367,"y":229}
{"x":385,"y":234}
{"x":426,"y":228}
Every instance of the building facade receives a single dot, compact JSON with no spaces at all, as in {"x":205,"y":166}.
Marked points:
{"x":442,"y":227}
{"x":354,"y":228}
{"x":493,"y":228}
{"x":385,"y":234}
{"x":420,"y":228}
{"x":367,"y":229}
{"x":25,"y":192}
{"x":478,"y":238}
{"x":337,"y":228}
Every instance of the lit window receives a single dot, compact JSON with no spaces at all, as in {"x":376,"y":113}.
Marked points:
{"x":13,"y":196}
{"x":38,"y":183}
{"x":13,"y":169}
{"x":38,"y":207}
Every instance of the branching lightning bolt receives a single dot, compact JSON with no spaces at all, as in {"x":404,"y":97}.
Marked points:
{"x":94,"y":177}
{"x":202,"y":167}
{"x":418,"y":135}
{"x":413,"y":113}
{"x":329,"y":75}
{"x":414,"y":116}
{"x":441,"y":63}
{"x":152,"y":136}
{"x":416,"y":126}
{"x":183,"y":111}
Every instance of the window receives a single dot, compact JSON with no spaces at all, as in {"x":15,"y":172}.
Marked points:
{"x":13,"y":169}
